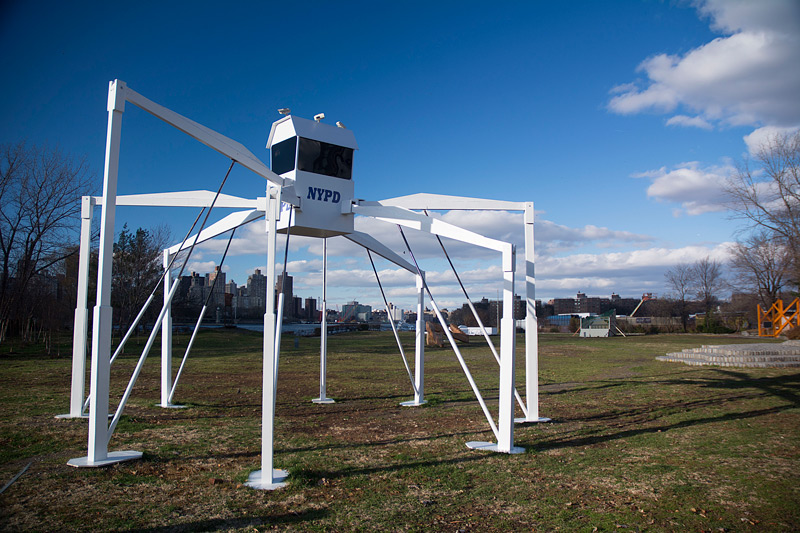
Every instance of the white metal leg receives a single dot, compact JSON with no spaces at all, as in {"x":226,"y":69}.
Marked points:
{"x":505,"y":423}
{"x":323,"y":333}
{"x":269,"y":478}
{"x":101,"y":332}
{"x":81,"y":323}
{"x":166,"y":341}
{"x":419,"y":348}
{"x":531,"y":326}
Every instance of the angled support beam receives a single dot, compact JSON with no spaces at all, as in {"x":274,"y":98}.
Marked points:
{"x":410,"y":219}
{"x":234,"y":220}
{"x":371,"y":243}
{"x":224,"y":145}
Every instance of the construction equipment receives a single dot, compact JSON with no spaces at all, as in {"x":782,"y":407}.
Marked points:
{"x":778,"y":318}
{"x":646,"y":296}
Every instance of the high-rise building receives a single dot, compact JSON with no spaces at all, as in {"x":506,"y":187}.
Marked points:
{"x":288,"y":295}
{"x":257,"y":289}
{"x":311,"y":312}
{"x":218,"y":296}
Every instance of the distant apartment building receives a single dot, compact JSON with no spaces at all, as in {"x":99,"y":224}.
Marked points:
{"x":310,"y":311}
{"x":581,"y":304}
{"x":354,"y":311}
{"x":256,"y":290}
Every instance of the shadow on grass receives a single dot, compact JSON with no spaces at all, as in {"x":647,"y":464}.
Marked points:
{"x":219,"y":524}
{"x":322,"y":447}
{"x":588,"y":441}
{"x":309,"y":477}
{"x":779,"y":386}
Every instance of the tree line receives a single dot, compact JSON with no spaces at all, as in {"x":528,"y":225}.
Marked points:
{"x":763,"y":193}
{"x":40,"y":193}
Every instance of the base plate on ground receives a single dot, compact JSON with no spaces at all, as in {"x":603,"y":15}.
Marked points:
{"x":492,"y":447}
{"x":533,"y":421}
{"x":412,"y":403}
{"x":278,"y":480}
{"x":66,"y":416}
{"x":323,"y":400}
{"x":113,"y":458}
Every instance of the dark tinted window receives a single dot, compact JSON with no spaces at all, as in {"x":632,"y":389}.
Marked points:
{"x":323,"y":158}
{"x":283,"y":155}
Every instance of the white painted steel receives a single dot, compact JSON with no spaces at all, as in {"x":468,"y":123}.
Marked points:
{"x":291,"y":126}
{"x":481,"y":327}
{"x":166,"y":335}
{"x":150,"y":340}
{"x":464,"y":367}
{"x":371,"y":243}
{"x":183,"y":199}
{"x":110,"y":459}
{"x":394,"y":328}
{"x":323,"y":333}
{"x":268,"y":477}
{"x":419,"y":342}
{"x":80,"y":328}
{"x":186,"y":353}
{"x":234,"y":220}
{"x":228,"y":147}
{"x":396,"y":210}
{"x":440,"y":202}
{"x":531,"y":325}
{"x":419,"y":347}
{"x":413,"y":220}
{"x":97,"y":449}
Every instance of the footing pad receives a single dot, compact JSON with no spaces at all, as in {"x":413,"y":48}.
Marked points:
{"x":323,"y":400}
{"x":255,"y":480}
{"x":492,"y":447}
{"x":533,"y":421}
{"x":113,"y":458}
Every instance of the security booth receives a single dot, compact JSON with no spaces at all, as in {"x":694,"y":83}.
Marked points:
{"x":318,"y":158}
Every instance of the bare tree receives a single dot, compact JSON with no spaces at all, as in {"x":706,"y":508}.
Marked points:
{"x":40,"y":192}
{"x":680,"y":279}
{"x":708,"y":281}
{"x":769,"y":195}
{"x":762,"y":265}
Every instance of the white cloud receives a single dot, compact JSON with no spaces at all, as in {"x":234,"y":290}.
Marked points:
{"x":689,"y":122}
{"x":698,"y":189}
{"x":202,"y":267}
{"x":628,"y":273}
{"x":750,"y":76}
{"x":757,"y":138}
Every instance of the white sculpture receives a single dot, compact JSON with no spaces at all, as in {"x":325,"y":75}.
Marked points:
{"x":309,"y":192}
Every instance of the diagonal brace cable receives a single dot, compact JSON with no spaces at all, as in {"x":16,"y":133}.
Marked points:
{"x":391,"y":321}
{"x":478,"y":319}
{"x":452,"y":341}
{"x":157,"y":326}
{"x":199,"y":320}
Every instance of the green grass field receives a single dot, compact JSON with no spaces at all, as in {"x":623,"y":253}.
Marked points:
{"x":635,"y":444}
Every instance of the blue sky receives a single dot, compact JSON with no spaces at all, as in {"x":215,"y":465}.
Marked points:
{"x":620,"y":120}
